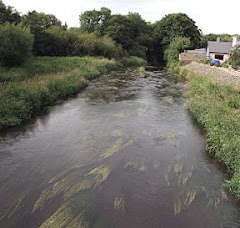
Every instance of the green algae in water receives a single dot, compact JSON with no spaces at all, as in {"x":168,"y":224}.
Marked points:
{"x":177,"y":206}
{"x":189,"y":190}
{"x":93,"y":179}
{"x":69,"y":186}
{"x":119,"y":203}
{"x":136,"y":165}
{"x":65,"y":216}
{"x":119,"y":143}
{"x":114,"y":148}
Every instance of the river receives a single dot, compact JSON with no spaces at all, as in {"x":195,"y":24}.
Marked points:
{"x":124,"y":153}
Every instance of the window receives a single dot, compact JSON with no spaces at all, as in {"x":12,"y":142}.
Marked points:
{"x":219,"y":57}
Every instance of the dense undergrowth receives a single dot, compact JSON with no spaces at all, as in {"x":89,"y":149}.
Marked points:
{"x":217,"y":108}
{"x":44,"y":80}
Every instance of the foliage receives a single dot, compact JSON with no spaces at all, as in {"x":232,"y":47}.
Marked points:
{"x":15,"y":44}
{"x":213,"y":37}
{"x":225,"y":64}
{"x":38,"y":23}
{"x":173,"y":25}
{"x":8,"y":14}
{"x":130,"y":31}
{"x":57,"y":43}
{"x":132,"y":61}
{"x":92,"y":45}
{"x":177,"y":45}
{"x":216,"y":107}
{"x":234,"y":59}
{"x":95,"y":21}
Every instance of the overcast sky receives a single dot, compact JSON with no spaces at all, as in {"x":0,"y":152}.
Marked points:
{"x":216,"y":16}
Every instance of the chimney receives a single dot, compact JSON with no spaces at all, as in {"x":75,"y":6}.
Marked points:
{"x":234,"y":41}
{"x":218,"y":39}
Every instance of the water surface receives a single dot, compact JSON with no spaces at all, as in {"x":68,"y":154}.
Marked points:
{"x":124,"y":153}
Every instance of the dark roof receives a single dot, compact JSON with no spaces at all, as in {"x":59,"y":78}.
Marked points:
{"x":219,"y":47}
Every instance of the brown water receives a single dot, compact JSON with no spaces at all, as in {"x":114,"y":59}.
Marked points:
{"x":124,"y":153}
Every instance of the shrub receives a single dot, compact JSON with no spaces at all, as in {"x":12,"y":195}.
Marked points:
{"x":177,"y":45}
{"x":16,"y":44}
{"x":132,"y":61}
{"x":234,"y":59}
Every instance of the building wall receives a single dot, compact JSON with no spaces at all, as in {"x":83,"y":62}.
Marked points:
{"x":190,"y":57}
{"x":225,"y":56}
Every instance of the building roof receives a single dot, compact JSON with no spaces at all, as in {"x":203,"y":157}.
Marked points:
{"x":219,"y":47}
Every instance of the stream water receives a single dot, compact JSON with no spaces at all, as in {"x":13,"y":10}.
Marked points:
{"x":122,"y":154}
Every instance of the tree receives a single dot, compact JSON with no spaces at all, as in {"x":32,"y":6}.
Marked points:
{"x":82,"y":44}
{"x":95,"y":21}
{"x":177,"y":45}
{"x":8,"y":14}
{"x":16,"y":44}
{"x":119,"y":29}
{"x":130,"y":31}
{"x":234,"y":59}
{"x":175,"y":25}
{"x":57,"y":41}
{"x":39,"y":23}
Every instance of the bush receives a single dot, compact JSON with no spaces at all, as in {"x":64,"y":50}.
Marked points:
{"x":92,"y":45}
{"x":234,"y":59}
{"x":16,"y":44}
{"x":132,"y":61}
{"x":177,"y":45}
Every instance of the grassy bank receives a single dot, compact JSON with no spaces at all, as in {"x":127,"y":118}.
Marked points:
{"x":44,"y":80}
{"x":217,"y":107}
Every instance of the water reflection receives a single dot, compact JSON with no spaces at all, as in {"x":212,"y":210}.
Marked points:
{"x":124,"y":153}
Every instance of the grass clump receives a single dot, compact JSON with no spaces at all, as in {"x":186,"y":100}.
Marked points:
{"x":132,"y":61}
{"x":216,"y":107}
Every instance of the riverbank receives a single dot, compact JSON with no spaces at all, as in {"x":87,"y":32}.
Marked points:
{"x":213,"y":97}
{"x":45,"y":80}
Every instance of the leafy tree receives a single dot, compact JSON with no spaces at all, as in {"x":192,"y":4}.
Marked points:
{"x":234,"y":59}
{"x":174,"y":25}
{"x":90,"y":44}
{"x":39,"y":23}
{"x":15,"y":44}
{"x":8,"y":14}
{"x":95,"y":21}
{"x":213,"y":37}
{"x":171,"y":26}
{"x":119,"y":29}
{"x":57,"y":41}
{"x":177,"y":45}
{"x":130,"y":31}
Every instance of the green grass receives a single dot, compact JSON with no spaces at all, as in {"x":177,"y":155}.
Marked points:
{"x":44,"y":80}
{"x":217,"y":108}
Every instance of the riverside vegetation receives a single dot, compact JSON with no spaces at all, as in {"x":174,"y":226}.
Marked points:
{"x":217,"y":108}
{"x":44,"y":80}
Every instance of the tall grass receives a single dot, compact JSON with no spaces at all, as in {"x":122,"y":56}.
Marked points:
{"x":27,"y":90}
{"x":217,"y":108}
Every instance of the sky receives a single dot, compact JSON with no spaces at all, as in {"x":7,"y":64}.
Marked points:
{"x":216,"y":16}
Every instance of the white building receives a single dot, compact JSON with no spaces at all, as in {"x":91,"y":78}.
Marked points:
{"x":220,"y":50}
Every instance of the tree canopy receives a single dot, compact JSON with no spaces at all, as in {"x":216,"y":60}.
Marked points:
{"x":39,"y":23}
{"x":15,"y":44}
{"x":8,"y":14}
{"x":173,"y":25}
{"x":94,"y":20}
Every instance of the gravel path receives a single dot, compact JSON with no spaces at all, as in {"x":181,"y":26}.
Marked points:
{"x":220,"y":74}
